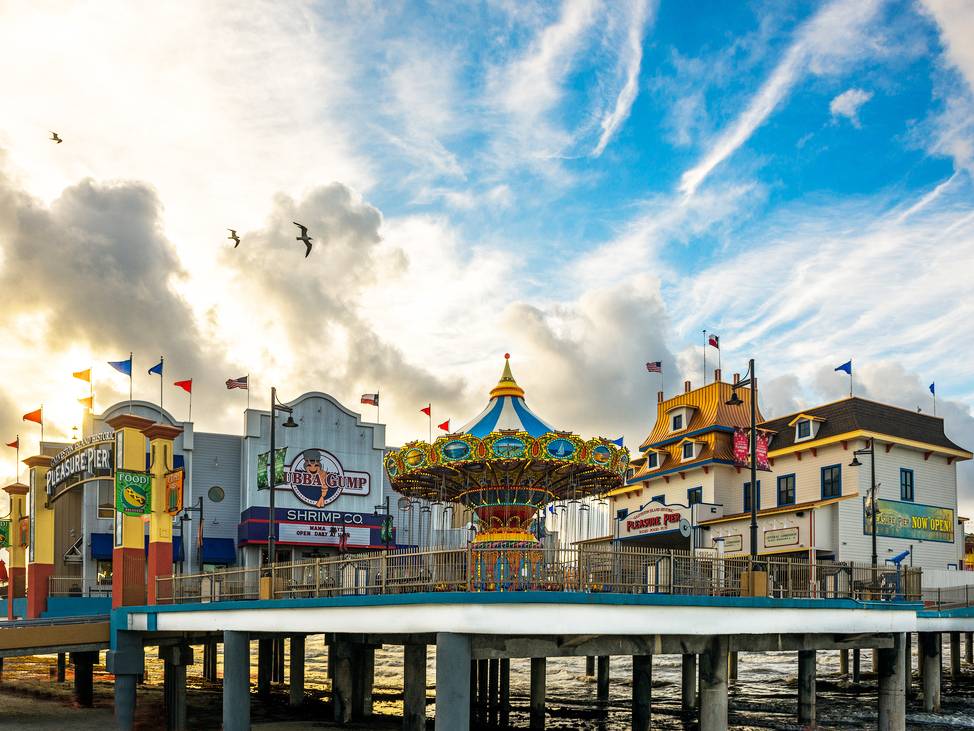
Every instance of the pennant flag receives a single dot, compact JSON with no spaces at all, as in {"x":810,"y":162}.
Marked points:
{"x":933,"y":388}
{"x":618,"y":442}
{"x":157,"y":368}
{"x":187,"y":386}
{"x":655,"y":366}
{"x":714,"y":341}
{"x":88,"y":402}
{"x":4,"y":576}
{"x":122,"y":366}
{"x":36,"y":416}
{"x":427,"y":409}
{"x":372,"y":399}
{"x":237,"y":383}
{"x":15,"y":443}
{"x":445,"y":426}
{"x":84,"y":375}
{"x":846,"y":367}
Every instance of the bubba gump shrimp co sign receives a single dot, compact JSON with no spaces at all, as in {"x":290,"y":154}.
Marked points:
{"x":652,"y":519}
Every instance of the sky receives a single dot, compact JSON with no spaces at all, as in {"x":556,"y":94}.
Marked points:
{"x":585,"y":185}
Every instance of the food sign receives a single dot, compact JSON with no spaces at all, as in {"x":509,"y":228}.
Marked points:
{"x":174,"y":492}
{"x":132,"y":492}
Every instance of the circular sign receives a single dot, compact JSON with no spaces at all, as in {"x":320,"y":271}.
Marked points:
{"x":561,"y":448}
{"x":317,"y":478}
{"x":684,"y":527}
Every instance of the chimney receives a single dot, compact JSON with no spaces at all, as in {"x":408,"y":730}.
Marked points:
{"x":659,"y":396}
{"x":717,"y":375}
{"x":737,"y":378}
{"x":686,"y":387}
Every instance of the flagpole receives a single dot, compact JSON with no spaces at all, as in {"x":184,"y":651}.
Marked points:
{"x":18,"y":458}
{"x":704,"y":357}
{"x":162,"y":370}
{"x":190,"y":417}
{"x":430,"y":415}
{"x":248,"y":408}
{"x":42,"y":423}
{"x":131,"y":368}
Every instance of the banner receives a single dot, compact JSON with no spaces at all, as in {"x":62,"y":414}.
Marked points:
{"x":133,"y":491}
{"x":899,"y":519}
{"x":742,"y":448}
{"x":4,"y":534}
{"x":174,"y":492}
{"x":24,"y":529}
{"x":262,"y":474}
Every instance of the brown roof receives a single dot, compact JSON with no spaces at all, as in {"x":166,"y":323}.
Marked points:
{"x":854,"y":414}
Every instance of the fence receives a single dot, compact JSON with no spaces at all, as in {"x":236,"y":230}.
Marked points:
{"x":581,"y":569}
{"x":954,"y":597}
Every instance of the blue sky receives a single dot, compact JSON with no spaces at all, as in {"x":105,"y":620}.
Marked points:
{"x":585,"y":184}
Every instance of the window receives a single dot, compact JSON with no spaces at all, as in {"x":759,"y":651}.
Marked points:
{"x":659,"y":499}
{"x":104,"y":572}
{"x":831,"y":481}
{"x":106,"y":499}
{"x":786,"y":490}
{"x":688,"y":450}
{"x":652,"y":460}
{"x":804,"y":428}
{"x":677,"y":422}
{"x":747,"y":496}
{"x":906,"y":484}
{"x":694,"y":495}
{"x":216,"y":494}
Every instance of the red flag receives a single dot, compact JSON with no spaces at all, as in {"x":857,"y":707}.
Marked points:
{"x":714,"y":341}
{"x":187,"y":386}
{"x":445,"y":426}
{"x":426,"y":409}
{"x":36,"y":416}
{"x":15,"y":443}
{"x":3,"y":571}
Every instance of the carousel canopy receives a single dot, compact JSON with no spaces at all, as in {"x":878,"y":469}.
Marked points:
{"x":506,"y":410}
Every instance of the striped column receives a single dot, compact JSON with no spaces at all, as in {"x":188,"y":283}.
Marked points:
{"x":16,"y":570}
{"x":160,"y":438}
{"x":40,"y":553}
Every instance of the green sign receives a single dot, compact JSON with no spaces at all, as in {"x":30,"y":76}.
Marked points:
{"x":898,"y":519}
{"x":262,"y":483}
{"x":133,"y":491}
{"x":4,"y":534}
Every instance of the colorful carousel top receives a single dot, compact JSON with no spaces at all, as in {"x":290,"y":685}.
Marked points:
{"x":506,"y":464}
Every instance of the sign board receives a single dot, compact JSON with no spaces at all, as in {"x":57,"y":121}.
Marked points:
{"x":761,"y":451}
{"x":315,"y":476}
{"x":309,"y":526}
{"x":320,"y":534}
{"x":733,"y":544}
{"x":742,"y":448}
{"x":89,"y":459}
{"x":24,"y":529}
{"x":133,"y":492}
{"x":781,"y":537}
{"x":900,"y":519}
{"x":652,"y":519}
{"x":174,"y":492}
{"x":4,"y":534}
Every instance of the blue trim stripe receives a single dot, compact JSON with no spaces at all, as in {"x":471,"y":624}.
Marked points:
{"x":531,"y":423}
{"x":681,"y":437}
{"x":681,"y":468}
{"x":486,"y":425}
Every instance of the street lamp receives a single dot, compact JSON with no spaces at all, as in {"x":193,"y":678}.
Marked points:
{"x":290,"y":423}
{"x":386,"y":521}
{"x":183,"y":519}
{"x":871,"y":451}
{"x":735,"y":400}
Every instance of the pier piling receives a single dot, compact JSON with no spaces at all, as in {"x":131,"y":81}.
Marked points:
{"x":602,"y":679}
{"x":732,"y":665}
{"x":806,"y":687}
{"x":483,"y":678}
{"x":539,"y":668}
{"x":908,"y":663}
{"x":236,"y":681}
{"x":955,"y":655}
{"x":892,"y":689}
{"x":590,"y":666}
{"x":642,"y":690}
{"x":61,"y":662}
{"x":125,"y":661}
{"x":452,"y":681}
{"x":856,"y":663}
{"x":83,"y":678}
{"x":928,"y":644}
{"x":713,"y":685}
{"x":265,"y":662}
{"x":342,"y":681}
{"x":493,"y":690}
{"x":414,"y":688}
{"x":689,"y":690}
{"x":363,"y":679}
{"x":504,"y":705}
{"x":844,"y":663}
{"x":296,"y":679}
{"x":970,"y":648}
{"x":175,"y":658}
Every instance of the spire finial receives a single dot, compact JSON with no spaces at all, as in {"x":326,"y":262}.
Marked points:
{"x":507,"y":386}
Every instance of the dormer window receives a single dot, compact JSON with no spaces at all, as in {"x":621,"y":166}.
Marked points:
{"x":676,"y":422}
{"x":679,"y":417}
{"x":688,"y":450}
{"x":652,"y":460}
{"x":806,"y":427}
{"x":803,"y":430}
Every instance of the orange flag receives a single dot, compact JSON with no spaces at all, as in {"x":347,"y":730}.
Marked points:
{"x":36,"y":416}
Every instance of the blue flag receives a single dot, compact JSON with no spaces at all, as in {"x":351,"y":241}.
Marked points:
{"x":157,"y":369}
{"x":122,"y":366}
{"x":618,"y":442}
{"x":847,"y":367}
{"x":933,"y":388}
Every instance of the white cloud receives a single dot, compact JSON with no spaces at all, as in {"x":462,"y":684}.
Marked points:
{"x":848,"y":103}
{"x":955,"y":19}
{"x":822,"y":45}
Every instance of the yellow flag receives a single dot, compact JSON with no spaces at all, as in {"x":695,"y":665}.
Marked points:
{"x":84,"y":375}
{"x":88,"y":402}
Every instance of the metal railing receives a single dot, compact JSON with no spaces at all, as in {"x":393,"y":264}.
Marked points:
{"x":951,"y":597}
{"x":65,"y":586}
{"x":577,"y":569}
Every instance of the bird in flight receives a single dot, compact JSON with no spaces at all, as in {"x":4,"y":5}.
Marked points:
{"x":55,"y":138}
{"x":233,"y":237}
{"x":303,"y":237}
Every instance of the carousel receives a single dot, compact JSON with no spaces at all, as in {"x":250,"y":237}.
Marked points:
{"x":506,"y":466}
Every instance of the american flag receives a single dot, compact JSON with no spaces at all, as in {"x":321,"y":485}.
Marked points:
{"x":237,"y":383}
{"x":655,"y":367}
{"x":372,"y":399}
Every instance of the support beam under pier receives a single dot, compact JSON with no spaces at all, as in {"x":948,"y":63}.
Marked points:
{"x":414,"y":688}
{"x":452,"y":681}
{"x":806,"y":687}
{"x":955,"y":656}
{"x":236,"y":681}
{"x":504,"y":703}
{"x":713,"y":685}
{"x":892,"y":686}
{"x":602,"y":679}
{"x":175,"y":658}
{"x":642,"y":691}
{"x":296,"y":679}
{"x":539,"y":668}
{"x":688,"y":694}
{"x":928,"y":644}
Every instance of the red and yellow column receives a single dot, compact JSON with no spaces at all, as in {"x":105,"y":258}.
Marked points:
{"x":40,"y":553}
{"x":128,"y":555}
{"x":16,"y":571}
{"x":161,"y":438}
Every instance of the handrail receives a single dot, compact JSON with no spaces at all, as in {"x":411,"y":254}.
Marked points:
{"x":630,"y":570}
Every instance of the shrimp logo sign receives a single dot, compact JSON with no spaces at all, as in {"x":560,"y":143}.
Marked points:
{"x":317,"y":478}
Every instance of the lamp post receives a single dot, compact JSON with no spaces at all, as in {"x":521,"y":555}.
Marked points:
{"x":183,"y":519}
{"x":735,"y":400}
{"x":386,"y":520}
{"x":272,"y":464}
{"x":871,"y":451}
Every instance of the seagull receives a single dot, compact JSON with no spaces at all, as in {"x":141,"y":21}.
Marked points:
{"x":233,"y":237}
{"x":55,"y":138}
{"x":303,"y":237}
